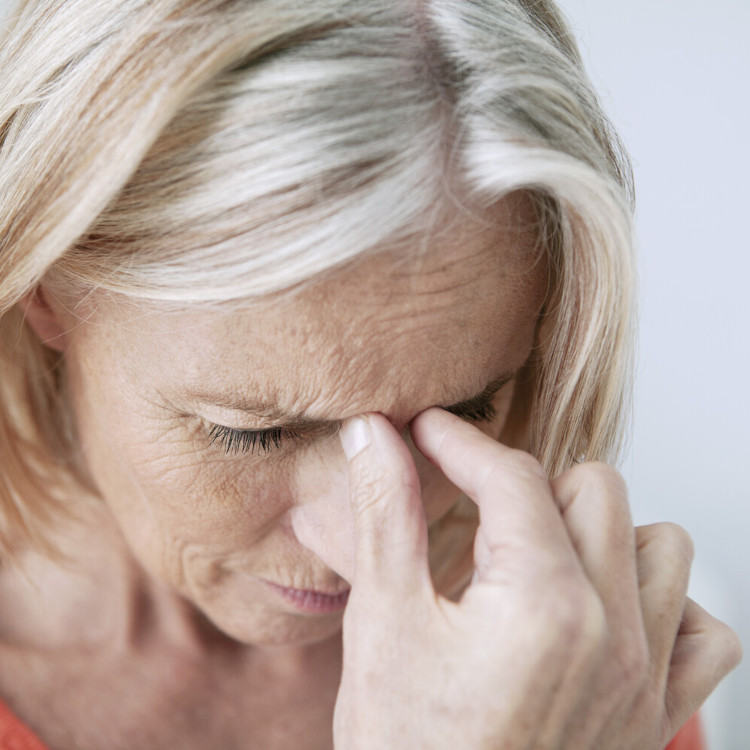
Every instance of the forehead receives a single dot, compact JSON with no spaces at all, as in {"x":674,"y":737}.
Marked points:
{"x":434,"y":318}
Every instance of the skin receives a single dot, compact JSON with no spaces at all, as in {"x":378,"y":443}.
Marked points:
{"x":385,"y":336}
{"x":186,"y":536}
{"x":574,"y":634}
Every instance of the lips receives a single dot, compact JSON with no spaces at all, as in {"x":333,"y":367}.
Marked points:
{"x":311,"y":601}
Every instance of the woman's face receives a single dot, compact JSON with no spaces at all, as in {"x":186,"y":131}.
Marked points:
{"x":167,"y":407}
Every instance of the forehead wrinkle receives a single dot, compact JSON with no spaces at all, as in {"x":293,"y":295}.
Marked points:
{"x":377,"y":360}
{"x":424,"y":277}
{"x":392,"y":312}
{"x":394,"y":398}
{"x":357,"y":376}
{"x":399,"y":384}
{"x":385,"y":333}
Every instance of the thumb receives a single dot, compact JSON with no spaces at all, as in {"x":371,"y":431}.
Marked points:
{"x":390,"y":530}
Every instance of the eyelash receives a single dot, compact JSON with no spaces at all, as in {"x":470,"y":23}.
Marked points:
{"x":234,"y":442}
{"x":481,"y":412}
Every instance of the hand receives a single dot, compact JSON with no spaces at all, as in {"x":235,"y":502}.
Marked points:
{"x":575,"y":633}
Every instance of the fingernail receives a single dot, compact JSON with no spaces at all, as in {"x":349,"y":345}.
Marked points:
{"x":355,"y":436}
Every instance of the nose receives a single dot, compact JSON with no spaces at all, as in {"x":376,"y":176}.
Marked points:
{"x":321,"y":516}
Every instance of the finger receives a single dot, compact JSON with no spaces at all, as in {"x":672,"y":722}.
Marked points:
{"x":390,"y":553}
{"x":706,"y":651}
{"x":665,"y":554}
{"x":593,"y":500}
{"x":519,"y":520}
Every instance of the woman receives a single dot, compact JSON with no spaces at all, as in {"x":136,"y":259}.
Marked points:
{"x":247,"y":249}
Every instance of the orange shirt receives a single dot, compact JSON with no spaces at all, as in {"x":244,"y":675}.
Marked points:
{"x":14,"y":735}
{"x":690,"y":737}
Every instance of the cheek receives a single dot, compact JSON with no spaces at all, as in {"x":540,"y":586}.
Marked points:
{"x":168,"y":491}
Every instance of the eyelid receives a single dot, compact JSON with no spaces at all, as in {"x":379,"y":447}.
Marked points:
{"x":259,"y":441}
{"x":234,"y":441}
{"x":480,"y":408}
{"x":479,"y":412}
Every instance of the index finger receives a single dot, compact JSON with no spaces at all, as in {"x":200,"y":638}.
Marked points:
{"x":517,"y":509}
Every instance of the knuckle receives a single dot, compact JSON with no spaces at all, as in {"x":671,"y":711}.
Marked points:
{"x":527,"y":466}
{"x":369,"y":490}
{"x":729,"y":648}
{"x":676,"y":541}
{"x":513,"y":468}
{"x":604,"y":477}
{"x":594,"y":479}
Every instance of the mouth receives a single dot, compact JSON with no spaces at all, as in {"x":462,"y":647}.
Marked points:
{"x":311,"y":601}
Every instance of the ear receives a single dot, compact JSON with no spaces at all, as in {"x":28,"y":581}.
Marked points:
{"x":46,"y":317}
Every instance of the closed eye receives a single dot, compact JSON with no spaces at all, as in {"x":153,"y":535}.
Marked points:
{"x":480,"y":408}
{"x":257,"y":442}
{"x":233,"y":441}
{"x":483,"y":411}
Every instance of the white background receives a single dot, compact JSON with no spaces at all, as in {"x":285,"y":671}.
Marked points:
{"x":675,"y":77}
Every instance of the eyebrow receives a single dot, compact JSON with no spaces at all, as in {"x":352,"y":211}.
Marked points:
{"x":301,"y":421}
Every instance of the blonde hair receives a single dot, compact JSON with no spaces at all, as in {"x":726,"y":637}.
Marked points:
{"x":205,"y":151}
